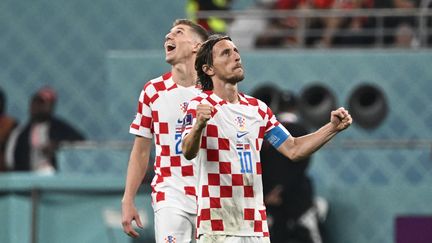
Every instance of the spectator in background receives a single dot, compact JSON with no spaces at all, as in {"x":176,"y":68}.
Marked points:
{"x":7,"y":124}
{"x":288,"y":190}
{"x":33,"y":146}
{"x":317,"y":31}
{"x":213,"y":24}
{"x":400,"y":31}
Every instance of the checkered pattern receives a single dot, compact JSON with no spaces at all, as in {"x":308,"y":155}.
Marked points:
{"x":161,"y":107}
{"x":230,"y":197}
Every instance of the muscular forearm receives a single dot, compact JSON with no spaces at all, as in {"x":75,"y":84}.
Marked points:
{"x":191,"y":142}
{"x":302,"y":147}
{"x":137,"y":169}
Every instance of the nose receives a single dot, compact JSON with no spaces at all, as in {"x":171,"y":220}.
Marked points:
{"x":168,"y":36}
{"x":237,"y":56}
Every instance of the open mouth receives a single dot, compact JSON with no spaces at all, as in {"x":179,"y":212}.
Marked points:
{"x":170,"y":47}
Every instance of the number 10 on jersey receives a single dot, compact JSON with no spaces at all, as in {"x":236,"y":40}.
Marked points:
{"x":245,"y":159}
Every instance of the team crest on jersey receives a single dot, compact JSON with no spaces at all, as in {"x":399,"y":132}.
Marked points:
{"x":240,"y":122}
{"x":183,"y":106}
{"x":170,"y":239}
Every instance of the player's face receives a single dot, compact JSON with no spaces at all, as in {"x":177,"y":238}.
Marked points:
{"x":179,"y":44}
{"x":227,"y":62}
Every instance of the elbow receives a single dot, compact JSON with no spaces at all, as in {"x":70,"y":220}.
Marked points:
{"x":189,"y":156}
{"x":188,"y":153}
{"x":295,"y":153}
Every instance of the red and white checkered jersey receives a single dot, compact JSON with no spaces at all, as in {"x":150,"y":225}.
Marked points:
{"x":161,"y":108}
{"x":230,"y":192}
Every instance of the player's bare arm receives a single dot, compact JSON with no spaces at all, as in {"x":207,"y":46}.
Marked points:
{"x":191,"y":142}
{"x":138,"y":163}
{"x":296,"y":148}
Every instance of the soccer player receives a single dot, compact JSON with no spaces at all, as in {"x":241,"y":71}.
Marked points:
{"x":224,"y":130}
{"x":161,"y":108}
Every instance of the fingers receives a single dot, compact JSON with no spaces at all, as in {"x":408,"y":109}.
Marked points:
{"x":203,"y":113}
{"x":128,"y":228}
{"x":341,"y":118}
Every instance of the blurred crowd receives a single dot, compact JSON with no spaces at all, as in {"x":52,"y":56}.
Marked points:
{"x":32,"y":145}
{"x":325,"y":23}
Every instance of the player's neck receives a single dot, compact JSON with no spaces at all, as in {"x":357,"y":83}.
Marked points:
{"x":226,"y":91}
{"x":184,"y":74}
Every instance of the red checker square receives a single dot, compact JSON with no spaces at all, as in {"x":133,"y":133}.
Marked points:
{"x":165,"y":171}
{"x":263,"y":214}
{"x":237,"y":180}
{"x":159,"y":179}
{"x":175,"y":161}
{"x":157,"y":138}
{"x":262,"y":113}
{"x":187,"y":170}
{"x":157,"y":161}
{"x":190,"y":190}
{"x":258,"y":226}
{"x":212,"y":131}
{"x":155,"y":116}
{"x":266,"y":234}
{"x":205,"y":214}
{"x":261,"y":132}
{"x":269,"y":112}
{"x":203,"y":142}
{"x":140,"y":106}
{"x":223,"y":144}
{"x":248,"y":191}
{"x":213,"y":179}
{"x":163,"y":128}
{"x":226,"y":191}
{"x":215,"y":202}
{"x":159,"y":86}
{"x":145,"y":121}
{"x":225,"y":167}
{"x":134,"y":126}
{"x":166,"y":75}
{"x":258,"y":168}
{"x":147,"y":99}
{"x":154,"y":98}
{"x":212,"y":155}
{"x":165,"y":150}
{"x":160,"y":196}
{"x":217,"y":225}
{"x":249,"y":214}
{"x":257,"y":144}
{"x":205,"y":191}
{"x":253,"y":101}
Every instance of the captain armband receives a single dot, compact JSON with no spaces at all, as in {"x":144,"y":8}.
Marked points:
{"x":277,"y":136}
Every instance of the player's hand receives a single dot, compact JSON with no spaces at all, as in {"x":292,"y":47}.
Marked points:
{"x":340,"y":119}
{"x":203,"y":114}
{"x":129,"y":214}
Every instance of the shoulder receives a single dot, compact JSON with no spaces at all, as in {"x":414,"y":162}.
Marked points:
{"x":252,"y":101}
{"x":158,"y":83}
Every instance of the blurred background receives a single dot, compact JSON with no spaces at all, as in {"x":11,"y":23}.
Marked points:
{"x":373,"y":57}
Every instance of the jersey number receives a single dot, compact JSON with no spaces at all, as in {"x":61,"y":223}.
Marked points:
{"x":245,"y":161}
{"x":178,"y":149}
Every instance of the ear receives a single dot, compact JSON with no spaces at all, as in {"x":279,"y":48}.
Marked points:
{"x":196,"y":47}
{"x":208,"y":70}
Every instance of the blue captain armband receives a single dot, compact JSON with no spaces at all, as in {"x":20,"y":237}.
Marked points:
{"x":277,"y":136}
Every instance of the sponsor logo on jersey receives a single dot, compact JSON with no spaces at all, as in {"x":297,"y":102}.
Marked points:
{"x":240,"y":134}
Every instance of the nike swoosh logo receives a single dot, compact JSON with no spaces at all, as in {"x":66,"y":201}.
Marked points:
{"x":241,"y":134}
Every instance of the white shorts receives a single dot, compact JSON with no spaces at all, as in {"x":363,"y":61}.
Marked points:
{"x":232,"y":239}
{"x":174,"y":225}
